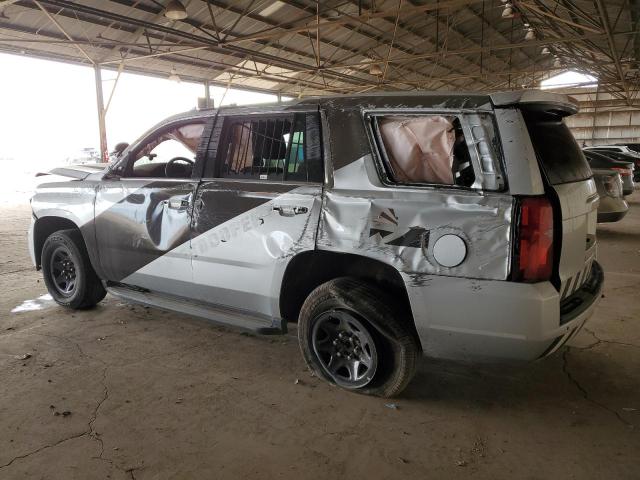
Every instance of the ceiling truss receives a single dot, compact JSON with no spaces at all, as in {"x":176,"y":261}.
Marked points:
{"x":304,"y":47}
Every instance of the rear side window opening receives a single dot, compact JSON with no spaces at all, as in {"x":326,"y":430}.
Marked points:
{"x":438,"y":149}
{"x":272,"y":148}
{"x":558,"y":153}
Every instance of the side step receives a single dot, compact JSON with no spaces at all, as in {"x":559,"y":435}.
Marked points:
{"x":216,"y":314}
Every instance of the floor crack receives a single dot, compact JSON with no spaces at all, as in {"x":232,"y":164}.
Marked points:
{"x":17,"y":271}
{"x":94,"y":435}
{"x":90,"y":432}
{"x":105,"y":395}
{"x":44,"y":447}
{"x":600,"y":340}
{"x":583,"y":391}
{"x":76,"y":345}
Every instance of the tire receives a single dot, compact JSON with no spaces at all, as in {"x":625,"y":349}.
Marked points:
{"x":384,"y":357}
{"x":68,"y":273}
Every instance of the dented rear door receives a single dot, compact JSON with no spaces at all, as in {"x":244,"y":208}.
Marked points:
{"x":250,"y":216}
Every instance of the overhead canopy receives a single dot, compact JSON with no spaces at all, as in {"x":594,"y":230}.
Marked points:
{"x":304,"y":47}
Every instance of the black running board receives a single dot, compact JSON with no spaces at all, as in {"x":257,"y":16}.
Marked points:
{"x":214,"y":313}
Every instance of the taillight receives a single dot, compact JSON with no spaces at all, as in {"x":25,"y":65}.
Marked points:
{"x":534,"y":254}
{"x":613,"y":185}
{"x":624,"y":172}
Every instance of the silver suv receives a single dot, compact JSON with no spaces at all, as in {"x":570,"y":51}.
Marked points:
{"x":387,"y":226}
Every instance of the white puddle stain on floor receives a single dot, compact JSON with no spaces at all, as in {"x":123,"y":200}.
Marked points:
{"x":40,"y":303}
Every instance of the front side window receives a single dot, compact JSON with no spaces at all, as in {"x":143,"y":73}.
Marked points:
{"x":168,"y":154}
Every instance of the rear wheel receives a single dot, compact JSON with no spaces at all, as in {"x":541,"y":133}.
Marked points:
{"x":68,"y":273}
{"x":351,"y":334}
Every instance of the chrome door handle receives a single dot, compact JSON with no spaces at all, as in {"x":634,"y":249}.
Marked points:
{"x":290,"y":210}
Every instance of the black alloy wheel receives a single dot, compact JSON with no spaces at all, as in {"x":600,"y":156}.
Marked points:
{"x":345,"y":348}
{"x":63,"y":271}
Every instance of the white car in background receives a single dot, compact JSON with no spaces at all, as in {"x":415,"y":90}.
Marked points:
{"x":614,"y":148}
{"x":84,"y":156}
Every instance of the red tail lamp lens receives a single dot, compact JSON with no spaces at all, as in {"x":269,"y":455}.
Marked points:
{"x":625,"y":172}
{"x":535,"y":255}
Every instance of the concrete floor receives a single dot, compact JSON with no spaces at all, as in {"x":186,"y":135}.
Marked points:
{"x":153,"y":395}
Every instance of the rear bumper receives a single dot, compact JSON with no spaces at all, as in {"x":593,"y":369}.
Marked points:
{"x":609,"y":217}
{"x":611,"y":209}
{"x":576,"y":309}
{"x":498,"y":320}
{"x":627,"y":185}
{"x":584,"y":299}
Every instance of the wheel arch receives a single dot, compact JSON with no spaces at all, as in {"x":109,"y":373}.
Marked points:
{"x":312,"y":268}
{"x":45,"y":226}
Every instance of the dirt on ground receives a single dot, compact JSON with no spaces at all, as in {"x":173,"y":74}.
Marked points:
{"x":124,"y":392}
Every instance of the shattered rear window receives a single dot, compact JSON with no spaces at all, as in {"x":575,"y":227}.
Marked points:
{"x":425,"y":149}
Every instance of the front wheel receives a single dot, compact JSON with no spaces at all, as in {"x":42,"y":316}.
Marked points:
{"x":351,"y":334}
{"x":68,"y":273}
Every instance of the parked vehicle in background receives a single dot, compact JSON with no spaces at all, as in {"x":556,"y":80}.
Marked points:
{"x":616,"y":148}
{"x":455,"y":225}
{"x":631,"y":146}
{"x":84,"y":156}
{"x":624,"y":168}
{"x":625,"y":157}
{"x":630,"y":152}
{"x":612,"y":207}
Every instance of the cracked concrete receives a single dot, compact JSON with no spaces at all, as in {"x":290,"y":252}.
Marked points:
{"x":585,"y":393}
{"x":155,"y":395}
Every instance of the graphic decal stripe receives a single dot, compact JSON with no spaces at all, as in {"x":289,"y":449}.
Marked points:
{"x":145,"y":225}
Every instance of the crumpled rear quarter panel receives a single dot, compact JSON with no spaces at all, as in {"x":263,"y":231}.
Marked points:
{"x":399,"y":226}
{"x":401,"y":230}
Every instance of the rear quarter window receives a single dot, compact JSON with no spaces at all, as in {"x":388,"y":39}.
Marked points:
{"x":437,"y":149}
{"x":559,"y":154}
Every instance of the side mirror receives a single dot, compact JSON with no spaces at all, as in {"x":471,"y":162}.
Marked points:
{"x":119,"y":148}
{"x":115,"y":170}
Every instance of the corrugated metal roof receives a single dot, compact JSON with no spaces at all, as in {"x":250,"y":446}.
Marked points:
{"x":303,"y":47}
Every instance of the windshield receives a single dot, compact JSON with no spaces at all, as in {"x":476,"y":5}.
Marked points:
{"x":634,"y":146}
{"x":557,"y":150}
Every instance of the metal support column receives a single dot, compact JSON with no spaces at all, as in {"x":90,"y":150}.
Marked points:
{"x":104,"y":151}
{"x":595,"y":117}
{"x":207,"y":95}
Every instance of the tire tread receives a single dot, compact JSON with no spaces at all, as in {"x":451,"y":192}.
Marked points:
{"x":379,"y":310}
{"x":93,"y":290}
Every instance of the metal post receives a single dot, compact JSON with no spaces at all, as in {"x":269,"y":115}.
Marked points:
{"x":104,"y":151}
{"x":279,"y":97}
{"x":207,"y":95}
{"x":595,"y":117}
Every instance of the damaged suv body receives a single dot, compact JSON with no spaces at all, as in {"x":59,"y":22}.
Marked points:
{"x":387,"y":226}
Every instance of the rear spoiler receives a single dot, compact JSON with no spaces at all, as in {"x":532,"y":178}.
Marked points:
{"x":539,"y":100}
